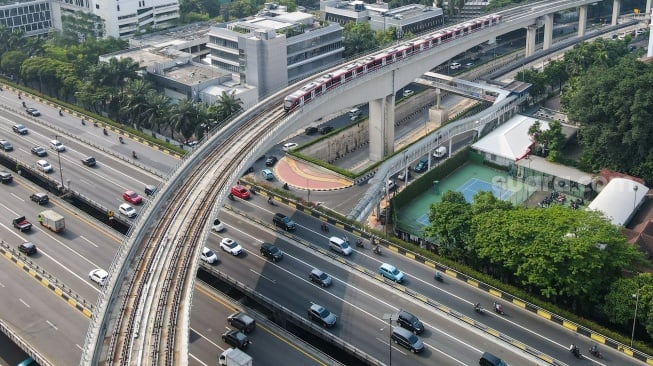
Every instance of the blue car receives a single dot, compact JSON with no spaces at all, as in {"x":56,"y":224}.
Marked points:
{"x":267,"y":174}
{"x":391,"y":272}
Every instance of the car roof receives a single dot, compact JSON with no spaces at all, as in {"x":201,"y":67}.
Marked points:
{"x":126,"y":205}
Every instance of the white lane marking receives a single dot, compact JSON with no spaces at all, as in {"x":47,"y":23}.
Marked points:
{"x":197,"y":359}
{"x":207,"y":339}
{"x":260,"y":275}
{"x":90,"y":242}
{"x":2,"y":284}
{"x":17,"y":196}
{"x":375,"y":298}
{"x":52,"y":325}
{"x":24,"y":303}
{"x":393,"y":347}
{"x":80,"y":347}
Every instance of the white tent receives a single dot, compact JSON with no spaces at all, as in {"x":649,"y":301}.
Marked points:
{"x":509,"y":142}
{"x":619,"y":200}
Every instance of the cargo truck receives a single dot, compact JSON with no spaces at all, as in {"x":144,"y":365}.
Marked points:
{"x":52,"y":220}
{"x":234,"y":357}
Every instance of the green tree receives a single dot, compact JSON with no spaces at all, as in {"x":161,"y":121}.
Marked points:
{"x":450,"y":219}
{"x":183,"y":119}
{"x":155,"y":111}
{"x":11,"y":62}
{"x":227,"y":105}
{"x":359,"y":37}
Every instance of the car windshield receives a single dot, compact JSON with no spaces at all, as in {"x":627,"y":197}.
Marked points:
{"x":394,"y":271}
{"x":132,"y":194}
{"x":240,"y":336}
{"x":412,"y":339}
{"x":233,"y":244}
{"x":209,"y":253}
{"x":323,"y":276}
{"x":323,"y":312}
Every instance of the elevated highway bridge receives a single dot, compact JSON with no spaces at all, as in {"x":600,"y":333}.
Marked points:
{"x":142,"y":316}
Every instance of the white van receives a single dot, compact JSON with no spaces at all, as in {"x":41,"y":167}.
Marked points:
{"x":339,"y":245}
{"x":353,"y":113}
{"x":440,"y":152}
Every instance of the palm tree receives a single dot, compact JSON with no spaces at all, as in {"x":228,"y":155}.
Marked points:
{"x":228,"y":104}
{"x":155,"y":111}
{"x":183,"y":119}
{"x":134,"y":101}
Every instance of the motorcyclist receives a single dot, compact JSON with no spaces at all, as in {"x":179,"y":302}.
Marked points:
{"x":438,"y":276}
{"x":270,"y":201}
{"x":477,"y":306}
{"x":120,"y":139}
{"x":134,"y":154}
{"x":104,"y":130}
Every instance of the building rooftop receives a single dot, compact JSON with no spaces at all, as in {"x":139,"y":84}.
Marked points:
{"x":190,"y":74}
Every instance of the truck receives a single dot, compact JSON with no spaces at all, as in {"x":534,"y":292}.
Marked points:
{"x":234,"y":357}
{"x":52,"y":220}
{"x":22,"y":224}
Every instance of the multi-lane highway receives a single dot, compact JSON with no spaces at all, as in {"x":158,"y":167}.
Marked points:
{"x":57,"y":329}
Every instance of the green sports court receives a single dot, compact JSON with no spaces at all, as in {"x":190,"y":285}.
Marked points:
{"x":469,"y":179}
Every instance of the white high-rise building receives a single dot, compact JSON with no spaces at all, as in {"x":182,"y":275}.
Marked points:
{"x":120,"y":18}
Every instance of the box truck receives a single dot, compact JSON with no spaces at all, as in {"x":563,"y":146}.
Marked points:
{"x":234,"y":357}
{"x":52,"y":220}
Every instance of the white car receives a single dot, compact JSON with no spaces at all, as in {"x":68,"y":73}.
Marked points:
{"x":98,"y":276}
{"x":44,"y":166}
{"x":127,"y":210}
{"x":208,"y":256}
{"x":56,"y":145}
{"x":231,"y":246}
{"x":289,"y":146}
{"x":454,"y":66}
{"x":217,"y":225}
{"x":408,"y":93}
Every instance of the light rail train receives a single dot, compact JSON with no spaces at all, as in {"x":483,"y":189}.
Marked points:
{"x":371,"y":63}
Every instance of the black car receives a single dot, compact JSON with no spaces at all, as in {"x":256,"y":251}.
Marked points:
{"x":6,"y":177}
{"x":33,"y":111}
{"x":283,"y":221}
{"x":272,"y":252}
{"x":39,"y":151}
{"x":20,"y":129}
{"x":242,"y":322}
{"x":150,"y":190}
{"x":6,"y":145}
{"x":27,"y":248}
{"x":270,"y":161}
{"x":410,"y":322}
{"x":40,"y":198}
{"x":311,"y":130}
{"x":88,"y":161}
{"x":235,"y":338}
{"x":325,"y":129}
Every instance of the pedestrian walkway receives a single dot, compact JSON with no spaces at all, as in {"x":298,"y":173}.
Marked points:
{"x":301,"y":175}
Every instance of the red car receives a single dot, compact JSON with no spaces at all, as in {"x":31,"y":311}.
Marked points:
{"x":132,"y":197}
{"x":240,"y":192}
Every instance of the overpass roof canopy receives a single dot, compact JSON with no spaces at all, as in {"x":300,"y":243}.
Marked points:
{"x":510,"y":140}
{"x":619,"y":200}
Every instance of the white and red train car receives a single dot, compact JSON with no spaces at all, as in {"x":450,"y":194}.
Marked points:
{"x":386,"y":57}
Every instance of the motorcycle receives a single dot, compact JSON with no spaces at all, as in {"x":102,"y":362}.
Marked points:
{"x":121,"y":140}
{"x":104,"y":130}
{"x":231,"y":197}
{"x":359,"y":243}
{"x":83,"y":122}
{"x":438,"y":277}
{"x":285,"y":186}
{"x":61,"y":113}
{"x":324,"y":227}
{"x":478,"y":308}
{"x":377,"y":250}
{"x":24,"y":105}
{"x":270,"y":201}
{"x":134,"y":155}
{"x":594,"y":351}
{"x":498,"y":308}
{"x":576,"y":352}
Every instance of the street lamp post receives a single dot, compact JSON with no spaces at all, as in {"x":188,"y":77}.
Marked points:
{"x":632,"y":335}
{"x":634,"y":198}
{"x":60,"y":171}
{"x":390,"y":317}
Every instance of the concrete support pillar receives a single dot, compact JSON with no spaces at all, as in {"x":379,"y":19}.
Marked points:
{"x":531,"y":31}
{"x":382,"y":127}
{"x":438,"y":98}
{"x":548,"y":31}
{"x":647,"y":13}
{"x":649,"y":53}
{"x":582,"y":20}
{"x":616,"y":9}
